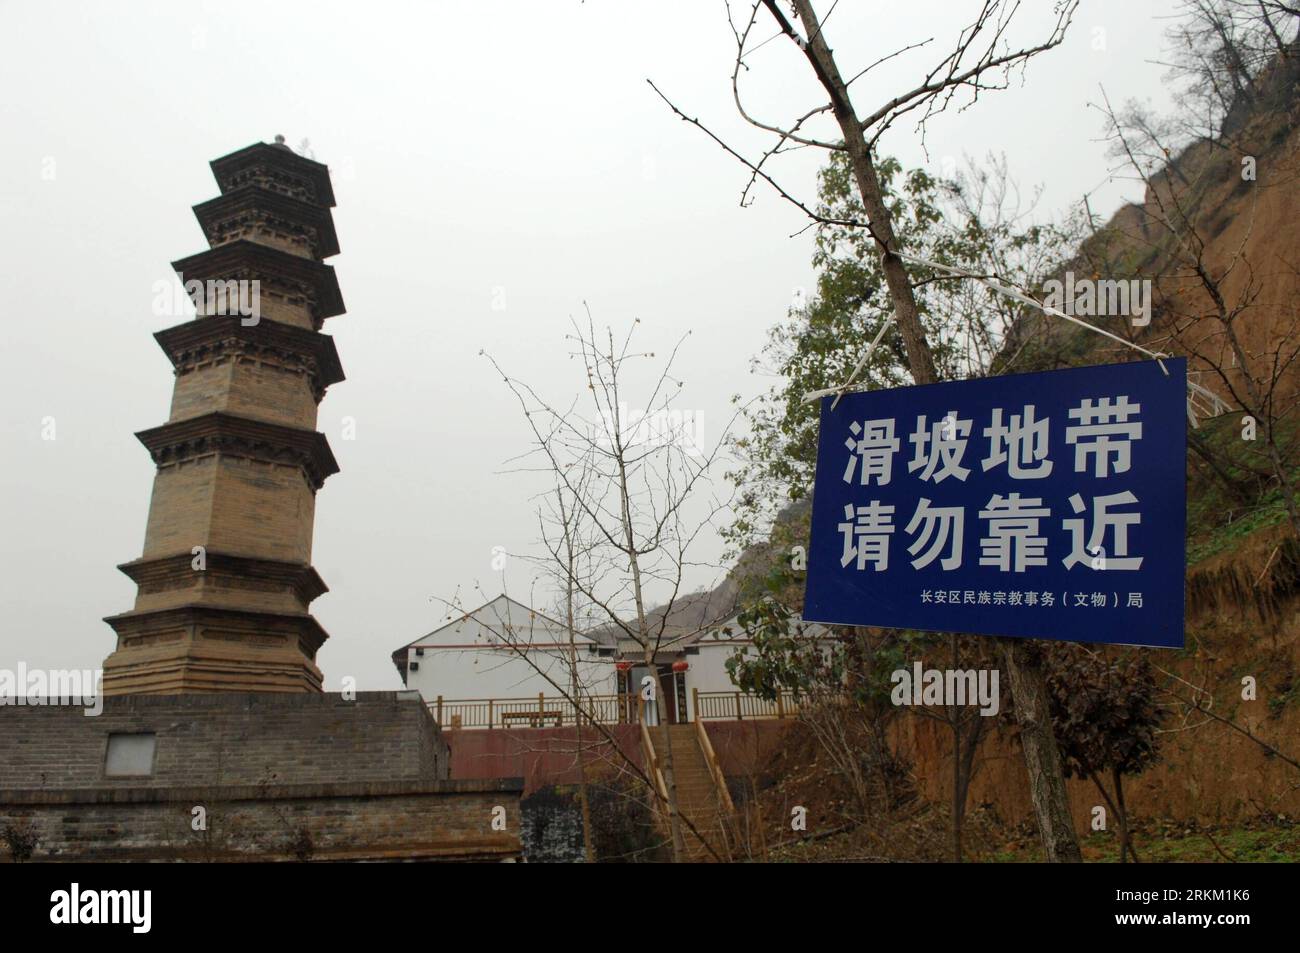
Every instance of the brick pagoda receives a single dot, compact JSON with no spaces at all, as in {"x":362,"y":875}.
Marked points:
{"x":226,"y":578}
{"x":216,"y":699}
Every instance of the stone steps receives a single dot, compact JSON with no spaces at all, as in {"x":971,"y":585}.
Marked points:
{"x":697,"y":796}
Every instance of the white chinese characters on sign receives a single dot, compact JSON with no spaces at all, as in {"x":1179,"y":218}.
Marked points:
{"x":866,"y":532}
{"x":1103,"y":429}
{"x":1013,"y":542}
{"x":941,"y":444}
{"x":1021,"y":444}
{"x":945,"y":525}
{"x":1102,"y":520}
{"x":872,"y":446}
{"x":1018,"y":530}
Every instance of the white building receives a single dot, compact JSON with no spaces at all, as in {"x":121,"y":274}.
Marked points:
{"x":505,"y":664}
{"x":503,"y":652}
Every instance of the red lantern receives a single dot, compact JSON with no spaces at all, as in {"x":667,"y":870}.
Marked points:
{"x":623,"y":666}
{"x":681,"y":665}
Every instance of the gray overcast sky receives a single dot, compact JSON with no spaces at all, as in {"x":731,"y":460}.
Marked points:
{"x":495,"y":149}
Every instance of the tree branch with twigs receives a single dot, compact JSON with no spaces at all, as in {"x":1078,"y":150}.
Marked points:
{"x":640,"y":482}
{"x":980,"y":59}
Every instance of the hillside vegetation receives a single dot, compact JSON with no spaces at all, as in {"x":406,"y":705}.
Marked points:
{"x":1217,"y":234}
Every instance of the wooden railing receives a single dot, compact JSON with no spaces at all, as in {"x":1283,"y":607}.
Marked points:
{"x":652,"y":759}
{"x":738,"y":706}
{"x":715,"y":768}
{"x":539,"y":711}
{"x":556,"y":711}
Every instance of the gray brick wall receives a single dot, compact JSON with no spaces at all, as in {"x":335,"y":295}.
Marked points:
{"x":227,"y":739}
{"x":452,"y":820}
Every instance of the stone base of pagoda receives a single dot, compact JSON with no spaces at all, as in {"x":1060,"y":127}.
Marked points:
{"x":205,"y":649}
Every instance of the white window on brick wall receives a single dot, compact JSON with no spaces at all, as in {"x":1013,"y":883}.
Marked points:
{"x":129,"y":755}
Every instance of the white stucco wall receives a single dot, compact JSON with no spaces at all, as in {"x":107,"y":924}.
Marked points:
{"x":708,"y":671}
{"x":501,"y":673}
{"x":478,"y":656}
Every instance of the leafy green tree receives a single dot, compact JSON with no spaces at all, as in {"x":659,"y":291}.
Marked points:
{"x":1105,"y":715}
{"x":974,"y":221}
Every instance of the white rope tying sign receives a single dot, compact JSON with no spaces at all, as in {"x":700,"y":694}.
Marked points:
{"x":1216,"y":404}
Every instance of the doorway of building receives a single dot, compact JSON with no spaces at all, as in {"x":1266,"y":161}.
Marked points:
{"x":640,"y":678}
{"x":669,"y":702}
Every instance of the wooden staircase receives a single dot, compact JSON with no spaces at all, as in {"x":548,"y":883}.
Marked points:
{"x":701,"y":791}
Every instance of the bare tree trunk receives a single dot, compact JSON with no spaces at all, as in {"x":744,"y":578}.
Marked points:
{"x":588,"y":850}
{"x":954,"y":714}
{"x":588,"y":846}
{"x":670,"y":776}
{"x":1125,"y":835}
{"x":1042,"y":758}
{"x":919,"y":358}
{"x":567,"y":519}
{"x":968,"y":766}
{"x":1028,"y":686}
{"x":964,"y":745}
{"x":637,"y":546}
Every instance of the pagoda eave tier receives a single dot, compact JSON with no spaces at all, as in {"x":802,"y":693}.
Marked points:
{"x":246,"y":260}
{"x":207,"y":339}
{"x":257,"y":199}
{"x":278,"y":167}
{"x":198,"y":648}
{"x":182,"y":440}
{"x":164,"y":573}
